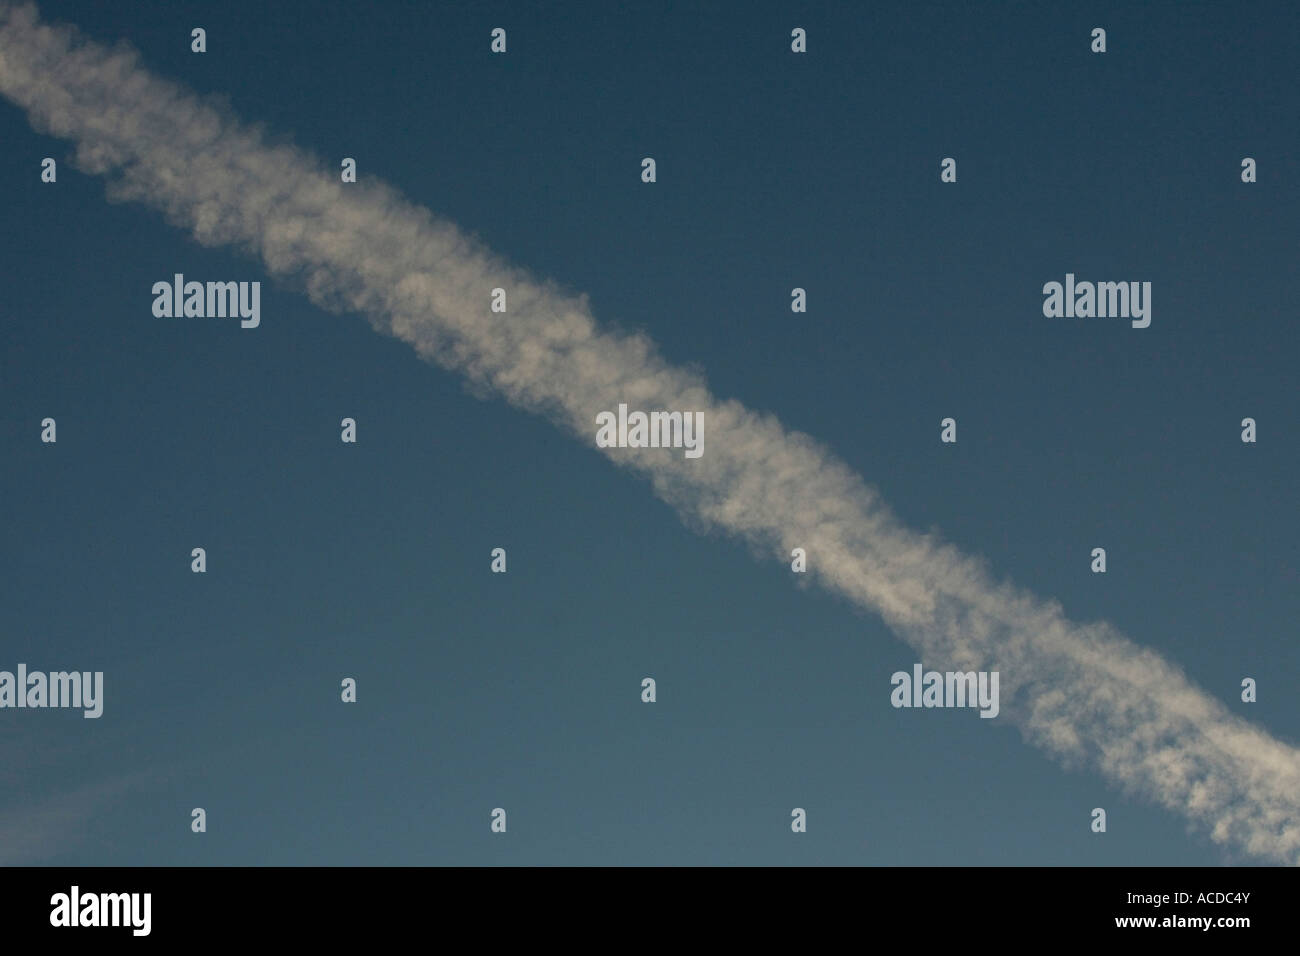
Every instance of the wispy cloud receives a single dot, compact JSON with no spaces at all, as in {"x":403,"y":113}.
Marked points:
{"x":35,"y":831}
{"x":1084,"y":693}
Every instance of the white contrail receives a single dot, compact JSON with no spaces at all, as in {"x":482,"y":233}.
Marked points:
{"x":1082,"y":692}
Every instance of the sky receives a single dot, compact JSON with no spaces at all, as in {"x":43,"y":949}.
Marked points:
{"x":522,"y":690}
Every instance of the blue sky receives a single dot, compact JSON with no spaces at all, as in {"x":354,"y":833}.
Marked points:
{"x":521,"y":690}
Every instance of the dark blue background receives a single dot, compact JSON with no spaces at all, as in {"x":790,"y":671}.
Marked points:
{"x":522,"y":690}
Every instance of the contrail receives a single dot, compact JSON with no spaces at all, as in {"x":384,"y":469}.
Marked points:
{"x":1084,"y":693}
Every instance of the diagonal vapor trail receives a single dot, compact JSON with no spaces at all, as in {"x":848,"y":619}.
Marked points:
{"x":1082,"y":692}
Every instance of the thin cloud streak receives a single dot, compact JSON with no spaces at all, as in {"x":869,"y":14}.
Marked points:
{"x":33,"y":834}
{"x":1083,"y":693}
